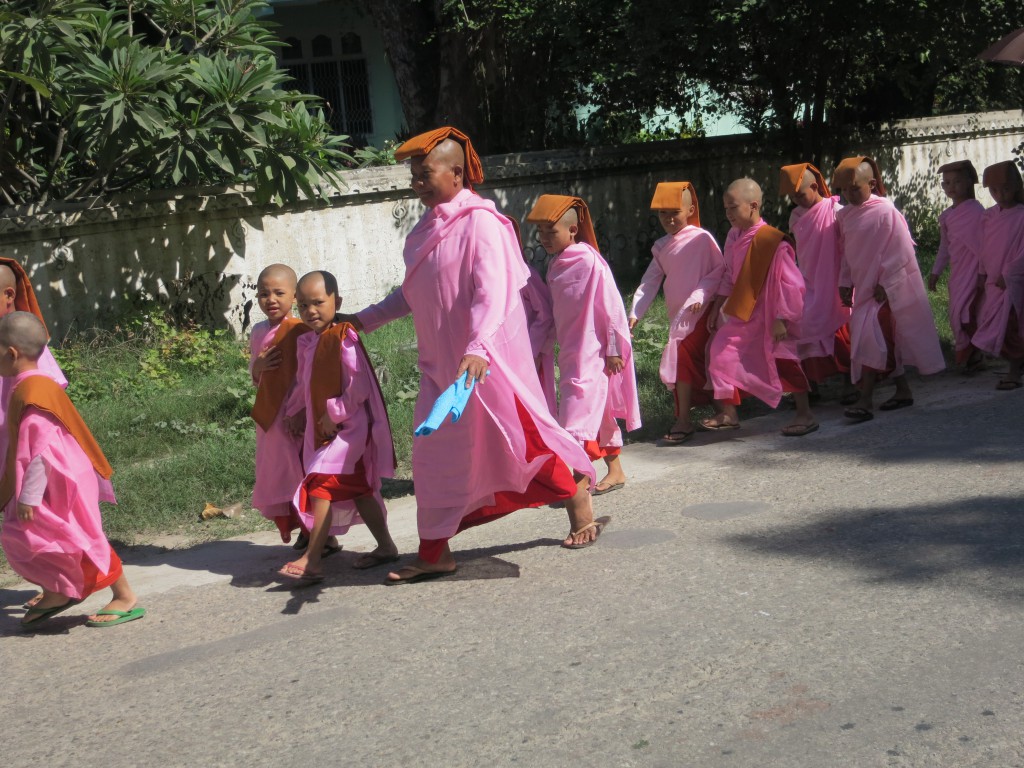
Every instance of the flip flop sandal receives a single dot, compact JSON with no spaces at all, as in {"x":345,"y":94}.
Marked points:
{"x":418,"y":575}
{"x":677,"y":438}
{"x":858,"y":414}
{"x":613,"y":487}
{"x":370,"y":560}
{"x":291,"y":572}
{"x":895,"y":403}
{"x":598,"y":524}
{"x":704,"y":424}
{"x":43,"y":614}
{"x":799,"y":430}
{"x":122,"y":617}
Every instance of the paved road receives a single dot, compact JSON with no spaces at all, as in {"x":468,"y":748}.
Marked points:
{"x":852,"y":598}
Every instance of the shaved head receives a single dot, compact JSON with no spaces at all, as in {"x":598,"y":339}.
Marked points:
{"x":7,"y":277}
{"x":570,"y":217}
{"x":449,"y":152}
{"x":747,"y":190}
{"x":864,"y":173}
{"x":25,"y":332}
{"x":276,"y":272}
{"x":313,"y":280}
{"x":808,"y":179}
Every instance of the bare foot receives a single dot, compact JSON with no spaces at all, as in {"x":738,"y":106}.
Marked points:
{"x":379,"y":556}
{"x":33,"y":600}
{"x":420,"y":570}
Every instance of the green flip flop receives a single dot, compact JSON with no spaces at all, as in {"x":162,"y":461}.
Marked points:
{"x":122,"y":617}
{"x":42,"y":614}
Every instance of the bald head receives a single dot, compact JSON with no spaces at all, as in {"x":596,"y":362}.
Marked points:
{"x":278,"y":272}
{"x":450,"y":153}
{"x":7,"y":277}
{"x":864,"y":173}
{"x":24,"y":332}
{"x":747,"y":190}
{"x":570,"y":217}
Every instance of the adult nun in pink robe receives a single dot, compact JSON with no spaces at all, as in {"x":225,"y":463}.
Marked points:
{"x":464,"y":274}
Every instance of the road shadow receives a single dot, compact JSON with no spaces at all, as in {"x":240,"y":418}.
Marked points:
{"x":976,"y":544}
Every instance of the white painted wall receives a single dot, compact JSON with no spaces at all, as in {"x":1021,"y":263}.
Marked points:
{"x":199,"y":254}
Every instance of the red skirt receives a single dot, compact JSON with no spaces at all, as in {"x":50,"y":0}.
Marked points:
{"x":93,"y":580}
{"x":818,"y":369}
{"x":888,"y":326}
{"x":334,"y":487}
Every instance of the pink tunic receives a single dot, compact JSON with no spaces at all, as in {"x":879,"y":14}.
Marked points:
{"x":364,"y":432}
{"x":48,"y":550}
{"x":278,"y":452}
{"x":540,"y":320}
{"x":590,"y":324}
{"x":691,"y":265}
{"x":1002,"y":255}
{"x":48,"y":366}
{"x":464,"y":274}
{"x":960,"y":228}
{"x":877,"y":249}
{"x":817,"y":254}
{"x":743,"y":354}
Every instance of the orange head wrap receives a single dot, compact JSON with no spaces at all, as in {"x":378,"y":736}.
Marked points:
{"x":551,"y":208}
{"x":1004,"y":173}
{"x":965,"y":167}
{"x":793,"y":176}
{"x":668,"y":196}
{"x":24,"y":296}
{"x":425,"y":142}
{"x":847,"y":169}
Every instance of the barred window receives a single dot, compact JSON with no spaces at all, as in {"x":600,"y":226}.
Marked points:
{"x":342,"y":81}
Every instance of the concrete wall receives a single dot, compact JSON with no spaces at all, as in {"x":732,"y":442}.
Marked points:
{"x":199,"y":254}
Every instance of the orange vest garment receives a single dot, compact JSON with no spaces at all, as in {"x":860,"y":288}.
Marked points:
{"x":44,"y":393}
{"x":753,"y":273}
{"x":274,"y":384}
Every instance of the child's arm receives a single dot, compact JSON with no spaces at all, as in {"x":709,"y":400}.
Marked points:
{"x":33,"y":486}
{"x":355,"y":386}
{"x":392,"y":307}
{"x":941,"y":258}
{"x":646,"y":292}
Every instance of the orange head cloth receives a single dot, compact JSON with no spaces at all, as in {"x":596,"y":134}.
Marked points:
{"x":551,"y":208}
{"x":793,"y":176}
{"x":24,"y":296}
{"x":845,"y":171}
{"x":668,"y":196}
{"x":965,"y":167}
{"x":425,"y":142}
{"x":1004,"y":173}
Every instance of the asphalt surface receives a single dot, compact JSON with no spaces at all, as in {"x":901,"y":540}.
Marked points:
{"x":850,"y":598}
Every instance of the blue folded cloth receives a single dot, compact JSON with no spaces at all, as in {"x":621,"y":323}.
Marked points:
{"x":453,"y":400}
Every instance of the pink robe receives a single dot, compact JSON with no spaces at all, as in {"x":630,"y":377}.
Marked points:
{"x":590,"y":324}
{"x":960,"y":229}
{"x":1002,"y":255}
{"x":877,"y":249}
{"x":817,"y":254}
{"x":364,"y":432}
{"x":464,"y":273}
{"x":48,"y":550}
{"x":278,"y":452}
{"x":691,"y":265}
{"x":743,"y":354}
{"x":540,"y":320}
{"x":48,"y":366}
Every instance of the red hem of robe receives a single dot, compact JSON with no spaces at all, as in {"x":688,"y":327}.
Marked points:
{"x":554,"y":482}
{"x":888,"y":325}
{"x":334,"y":487}
{"x":93,"y":580}
{"x":596,"y":451}
{"x":818,"y":369}
{"x":692,"y":364}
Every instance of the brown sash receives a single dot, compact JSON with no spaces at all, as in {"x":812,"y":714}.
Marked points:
{"x":44,"y":393}
{"x":753,"y":273}
{"x":274,"y":384}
